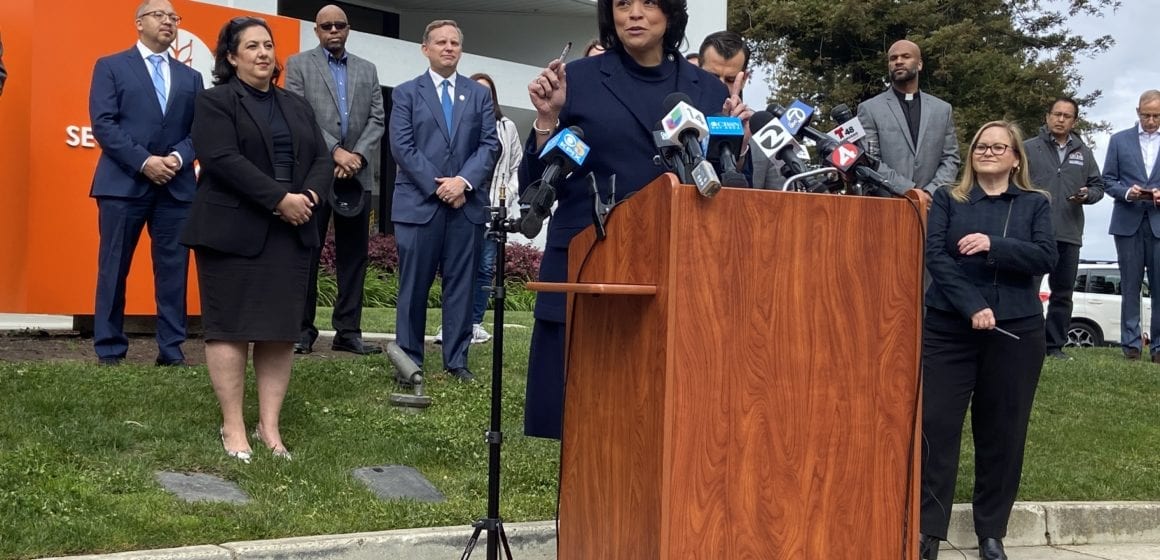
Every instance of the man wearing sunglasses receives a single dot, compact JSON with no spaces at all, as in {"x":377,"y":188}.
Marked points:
{"x":141,"y":106}
{"x":1132,"y":177}
{"x":347,"y":99}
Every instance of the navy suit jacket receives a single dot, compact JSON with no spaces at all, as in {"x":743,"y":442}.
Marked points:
{"x":129,"y":125}
{"x":599,"y":89}
{"x":424,"y":150}
{"x":1124,"y":167}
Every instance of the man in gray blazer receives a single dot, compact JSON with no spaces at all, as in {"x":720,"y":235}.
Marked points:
{"x":347,"y":99}
{"x":911,"y":131}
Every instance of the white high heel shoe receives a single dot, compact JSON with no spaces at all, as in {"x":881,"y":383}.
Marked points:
{"x":280,"y":452}
{"x":243,"y":456}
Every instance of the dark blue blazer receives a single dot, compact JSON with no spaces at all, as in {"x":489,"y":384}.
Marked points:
{"x":621,"y":139}
{"x":1124,"y":167}
{"x":129,"y":125}
{"x":424,"y":150}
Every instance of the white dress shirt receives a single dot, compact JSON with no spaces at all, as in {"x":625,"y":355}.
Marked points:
{"x":1149,"y":146}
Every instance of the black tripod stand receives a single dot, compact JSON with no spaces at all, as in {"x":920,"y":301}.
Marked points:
{"x":493,"y":524}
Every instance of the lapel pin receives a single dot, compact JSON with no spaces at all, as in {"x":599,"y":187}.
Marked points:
{"x":461,"y":98}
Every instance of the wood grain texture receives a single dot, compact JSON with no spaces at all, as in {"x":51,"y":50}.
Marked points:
{"x":764,"y":403}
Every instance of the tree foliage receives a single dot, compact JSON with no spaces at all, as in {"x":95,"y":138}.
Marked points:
{"x":990,"y":59}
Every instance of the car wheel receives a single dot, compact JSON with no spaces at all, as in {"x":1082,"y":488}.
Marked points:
{"x":1084,"y":335}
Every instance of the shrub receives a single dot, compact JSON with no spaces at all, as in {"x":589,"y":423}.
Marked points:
{"x":381,"y":286}
{"x":522,"y":262}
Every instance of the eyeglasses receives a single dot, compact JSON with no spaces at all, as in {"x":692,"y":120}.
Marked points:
{"x":1064,"y":116}
{"x":997,"y":149}
{"x":339,"y":25}
{"x":161,"y":15}
{"x":1149,"y":116}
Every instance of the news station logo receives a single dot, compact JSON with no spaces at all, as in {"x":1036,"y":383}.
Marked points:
{"x":726,"y":125}
{"x":187,"y":49}
{"x":675,"y":118}
{"x":574,"y":147}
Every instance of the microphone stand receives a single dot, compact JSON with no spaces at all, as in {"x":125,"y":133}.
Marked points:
{"x":493,"y":523}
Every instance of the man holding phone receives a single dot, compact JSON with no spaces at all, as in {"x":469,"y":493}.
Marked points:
{"x":1132,"y":178}
{"x":1064,"y":166}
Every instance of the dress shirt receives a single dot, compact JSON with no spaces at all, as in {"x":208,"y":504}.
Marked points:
{"x":438,"y":81}
{"x":338,"y":72}
{"x":145,"y":54}
{"x":1150,"y":146}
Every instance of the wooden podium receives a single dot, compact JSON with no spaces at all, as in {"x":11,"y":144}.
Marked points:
{"x":743,"y":377}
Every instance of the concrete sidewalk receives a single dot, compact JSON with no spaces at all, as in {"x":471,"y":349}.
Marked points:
{"x":1038,"y":531}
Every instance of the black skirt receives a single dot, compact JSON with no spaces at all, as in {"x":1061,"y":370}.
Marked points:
{"x":259,"y":298}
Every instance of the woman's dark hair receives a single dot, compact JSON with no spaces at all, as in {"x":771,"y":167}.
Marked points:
{"x":676,"y":11}
{"x":229,"y":40}
{"x":494,"y":96}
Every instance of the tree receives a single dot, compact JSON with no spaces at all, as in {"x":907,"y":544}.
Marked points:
{"x":990,"y":59}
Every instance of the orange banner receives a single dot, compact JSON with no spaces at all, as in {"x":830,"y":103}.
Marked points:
{"x":48,"y":222}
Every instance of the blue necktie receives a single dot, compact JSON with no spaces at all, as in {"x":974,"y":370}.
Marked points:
{"x":158,"y":79}
{"x":447,"y":104}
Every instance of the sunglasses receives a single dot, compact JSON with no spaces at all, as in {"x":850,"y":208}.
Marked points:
{"x":339,"y":25}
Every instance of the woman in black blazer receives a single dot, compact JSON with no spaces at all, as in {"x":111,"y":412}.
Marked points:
{"x":264,"y":166}
{"x":983,"y":342}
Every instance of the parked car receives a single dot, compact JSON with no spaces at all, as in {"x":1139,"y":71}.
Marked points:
{"x":1095,"y":317}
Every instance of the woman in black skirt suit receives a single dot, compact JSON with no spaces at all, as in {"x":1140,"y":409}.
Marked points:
{"x":264,"y":166}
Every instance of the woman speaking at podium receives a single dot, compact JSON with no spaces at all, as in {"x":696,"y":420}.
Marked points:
{"x":616,"y":98}
{"x":983,"y":341}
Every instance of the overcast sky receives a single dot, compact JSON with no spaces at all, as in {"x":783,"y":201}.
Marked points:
{"x":1123,"y":73}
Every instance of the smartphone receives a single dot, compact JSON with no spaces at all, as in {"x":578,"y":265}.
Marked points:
{"x":564,"y":53}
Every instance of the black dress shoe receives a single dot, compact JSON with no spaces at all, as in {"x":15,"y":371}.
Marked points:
{"x":354,"y":346}
{"x":302,"y":348}
{"x":928,"y":547}
{"x":991,"y":549}
{"x":110,"y":361}
{"x":180,"y":362}
{"x":461,"y":373}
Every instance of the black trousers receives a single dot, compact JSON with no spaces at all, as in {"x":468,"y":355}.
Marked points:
{"x":351,"y":236}
{"x":997,"y":376}
{"x":1061,"y":280}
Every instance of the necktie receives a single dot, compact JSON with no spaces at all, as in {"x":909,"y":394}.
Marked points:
{"x":447,"y":104}
{"x":158,"y":79}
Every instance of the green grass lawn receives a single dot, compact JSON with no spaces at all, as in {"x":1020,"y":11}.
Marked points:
{"x":79,"y":445}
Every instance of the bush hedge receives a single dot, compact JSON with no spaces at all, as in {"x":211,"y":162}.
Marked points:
{"x":381,"y":286}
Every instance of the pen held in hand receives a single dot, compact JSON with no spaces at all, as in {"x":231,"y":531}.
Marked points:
{"x":1008,"y":333}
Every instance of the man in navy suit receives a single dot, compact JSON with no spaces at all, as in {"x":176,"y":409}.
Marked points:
{"x":1132,"y":179}
{"x":141,"y":106}
{"x":442,"y":132}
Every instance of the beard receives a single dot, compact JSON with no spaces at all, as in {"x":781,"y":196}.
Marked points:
{"x":903,"y":75}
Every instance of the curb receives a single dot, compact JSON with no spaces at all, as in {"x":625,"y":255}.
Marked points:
{"x":529,"y":541}
{"x":1032,"y":524}
{"x":1065,"y":523}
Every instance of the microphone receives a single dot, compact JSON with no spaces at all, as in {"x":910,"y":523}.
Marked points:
{"x":850,"y":160}
{"x":824,"y":142}
{"x":563,"y":153}
{"x":773,"y":141}
{"x":685,"y":124}
{"x":851,"y":130}
{"x":669,"y":154}
{"x":797,"y":117}
{"x":725,"y":137}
